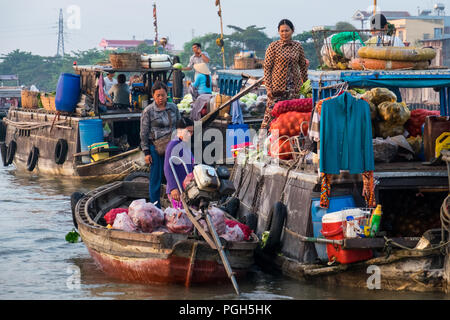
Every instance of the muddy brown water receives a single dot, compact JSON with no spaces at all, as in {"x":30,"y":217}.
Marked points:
{"x":37,"y":263}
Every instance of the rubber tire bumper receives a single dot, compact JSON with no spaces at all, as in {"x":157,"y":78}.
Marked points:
{"x":10,"y":152}
{"x":138,"y":175}
{"x":279,"y":214}
{"x":33,"y":157}
{"x":3,"y":151}
{"x":74,"y":199}
{"x":2,"y":131}
{"x":61,"y":149}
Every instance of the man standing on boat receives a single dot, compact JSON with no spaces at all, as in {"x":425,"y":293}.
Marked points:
{"x":198,"y":57}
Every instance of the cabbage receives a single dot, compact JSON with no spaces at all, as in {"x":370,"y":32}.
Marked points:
{"x":185,"y":104}
{"x":178,"y":66}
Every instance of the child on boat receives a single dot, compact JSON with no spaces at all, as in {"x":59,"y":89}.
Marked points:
{"x":179,"y":147}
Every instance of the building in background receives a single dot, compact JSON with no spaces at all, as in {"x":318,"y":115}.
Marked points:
{"x":414,"y":29}
{"x":364,"y":16}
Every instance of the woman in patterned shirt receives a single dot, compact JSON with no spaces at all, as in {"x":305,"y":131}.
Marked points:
{"x":285,"y":69}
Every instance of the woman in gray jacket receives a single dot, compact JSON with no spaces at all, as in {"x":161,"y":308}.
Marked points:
{"x":158,"y":120}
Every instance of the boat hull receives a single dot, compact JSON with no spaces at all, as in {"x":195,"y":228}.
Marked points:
{"x":156,"y":270}
{"x":158,"y":257}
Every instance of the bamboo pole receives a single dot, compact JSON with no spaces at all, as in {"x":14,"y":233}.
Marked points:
{"x":221,"y":32}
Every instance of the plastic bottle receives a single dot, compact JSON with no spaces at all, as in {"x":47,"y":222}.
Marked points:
{"x":350,"y":229}
{"x":375,"y":221}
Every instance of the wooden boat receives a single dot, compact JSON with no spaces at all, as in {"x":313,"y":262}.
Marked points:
{"x":42,"y":131}
{"x":156,"y":257}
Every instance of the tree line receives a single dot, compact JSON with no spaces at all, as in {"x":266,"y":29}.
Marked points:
{"x":44,"y":71}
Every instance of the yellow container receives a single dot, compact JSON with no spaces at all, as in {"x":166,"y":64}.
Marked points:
{"x":99,"y":156}
{"x":142,"y":98}
{"x":442,"y":143}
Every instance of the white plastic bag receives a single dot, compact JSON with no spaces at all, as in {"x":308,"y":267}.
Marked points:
{"x":233,"y":234}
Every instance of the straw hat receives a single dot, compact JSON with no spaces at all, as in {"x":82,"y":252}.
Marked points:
{"x":202,"y":68}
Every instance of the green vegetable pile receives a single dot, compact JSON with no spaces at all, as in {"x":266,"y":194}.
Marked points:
{"x":249,"y":99}
{"x":306,"y":89}
{"x":186,"y":104}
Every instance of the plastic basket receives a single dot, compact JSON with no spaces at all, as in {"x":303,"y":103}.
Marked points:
{"x":363,"y":222}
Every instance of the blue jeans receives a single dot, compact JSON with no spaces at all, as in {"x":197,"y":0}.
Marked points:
{"x":156,"y":175}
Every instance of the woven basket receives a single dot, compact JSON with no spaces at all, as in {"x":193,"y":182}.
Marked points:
{"x":244,"y":63}
{"x":125,"y":60}
{"x":48,"y":102}
{"x":29,"y":99}
{"x":221,"y":99}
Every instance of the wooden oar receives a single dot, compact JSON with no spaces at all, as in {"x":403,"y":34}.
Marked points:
{"x":207,"y":119}
{"x":222,"y":254}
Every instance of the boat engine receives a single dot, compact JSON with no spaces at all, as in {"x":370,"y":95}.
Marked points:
{"x":208,"y":184}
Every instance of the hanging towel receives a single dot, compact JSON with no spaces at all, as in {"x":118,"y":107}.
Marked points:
{"x":236,"y":113}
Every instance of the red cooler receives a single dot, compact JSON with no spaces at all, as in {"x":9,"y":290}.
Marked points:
{"x":332,"y":229}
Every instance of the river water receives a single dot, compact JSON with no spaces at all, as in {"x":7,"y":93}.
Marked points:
{"x":37,"y":263}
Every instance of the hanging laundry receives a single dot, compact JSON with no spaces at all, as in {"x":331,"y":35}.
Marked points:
{"x":325,"y":190}
{"x":101,"y":90}
{"x":369,"y":189}
{"x":236,"y":113}
{"x":346,"y":136}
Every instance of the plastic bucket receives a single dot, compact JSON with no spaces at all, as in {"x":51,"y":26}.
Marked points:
{"x":333,"y":229}
{"x":67,"y":92}
{"x":91,"y":132}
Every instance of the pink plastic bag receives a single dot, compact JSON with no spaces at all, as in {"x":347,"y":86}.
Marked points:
{"x":146,"y":216}
{"x":123,"y":222}
{"x":218,"y":220}
{"x":233,"y":234}
{"x":177,"y":221}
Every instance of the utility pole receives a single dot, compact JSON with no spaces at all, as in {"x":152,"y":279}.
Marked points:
{"x":60,"y":48}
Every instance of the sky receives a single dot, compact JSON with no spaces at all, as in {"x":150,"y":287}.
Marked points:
{"x":32,"y":25}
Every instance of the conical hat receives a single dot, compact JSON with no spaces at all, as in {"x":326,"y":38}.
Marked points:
{"x":202,"y":68}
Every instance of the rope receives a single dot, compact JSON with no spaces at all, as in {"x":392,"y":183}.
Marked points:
{"x":389,"y":242}
{"x":31,"y":125}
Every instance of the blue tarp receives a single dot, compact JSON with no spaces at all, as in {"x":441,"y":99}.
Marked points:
{"x":399,"y":83}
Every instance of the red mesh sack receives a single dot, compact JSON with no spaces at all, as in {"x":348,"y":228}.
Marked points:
{"x":417,"y":119}
{"x":288,"y":124}
{"x":111,"y":215}
{"x":299,"y":105}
